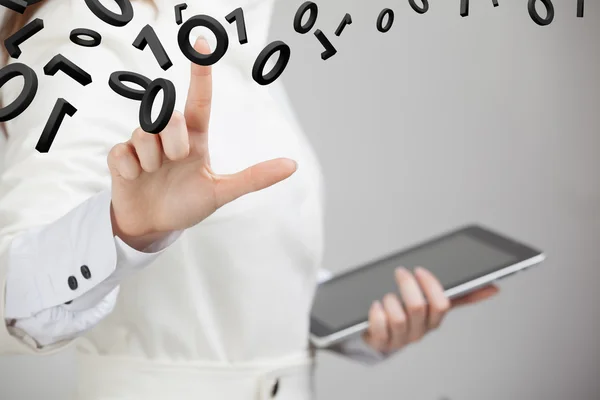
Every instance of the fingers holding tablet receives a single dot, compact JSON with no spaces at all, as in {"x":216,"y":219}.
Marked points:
{"x":462,"y":266}
{"x":421,"y":307}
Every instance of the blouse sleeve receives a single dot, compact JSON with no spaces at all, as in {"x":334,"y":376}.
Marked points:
{"x":56,"y":241}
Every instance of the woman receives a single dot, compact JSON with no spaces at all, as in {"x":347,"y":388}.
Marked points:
{"x":181,"y":276}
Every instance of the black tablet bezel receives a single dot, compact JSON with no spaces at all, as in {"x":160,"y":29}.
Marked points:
{"x":520,"y":251}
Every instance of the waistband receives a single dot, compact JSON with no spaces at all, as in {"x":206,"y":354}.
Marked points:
{"x":123,"y":378}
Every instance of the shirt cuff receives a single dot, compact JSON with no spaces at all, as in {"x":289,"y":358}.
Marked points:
{"x":75,"y":260}
{"x":358,"y":350}
{"x":56,"y":263}
{"x":129,"y":261}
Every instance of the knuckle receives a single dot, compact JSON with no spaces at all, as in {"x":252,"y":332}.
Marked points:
{"x":139,"y":135}
{"x":397,"y":322}
{"x":116,"y":152}
{"x":177,"y":118}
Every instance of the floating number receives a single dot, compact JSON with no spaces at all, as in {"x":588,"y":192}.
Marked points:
{"x":536,"y":17}
{"x":390,"y":20}
{"x":580,"y":6}
{"x":61,"y":63}
{"x":263,"y":58}
{"x":237,"y":16}
{"x":115,"y":82}
{"x":419,"y":10}
{"x":94,"y":37}
{"x":28,"y":92}
{"x":346,"y":21}
{"x":311,"y":7}
{"x":147,"y":37}
{"x":23,"y":34}
{"x":183,"y":38}
{"x":110,"y":17}
{"x":179,"y":13}
{"x":61,"y":108}
{"x":15,"y":5}
{"x":166,"y":111}
{"x":464,"y":7}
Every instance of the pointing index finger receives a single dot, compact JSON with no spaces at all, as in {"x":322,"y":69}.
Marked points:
{"x":197,"y":107}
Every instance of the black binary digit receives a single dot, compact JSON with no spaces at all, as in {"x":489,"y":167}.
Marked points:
{"x":464,"y":7}
{"x":61,"y":63}
{"x":386,"y":12}
{"x":536,"y":17}
{"x":115,"y":82}
{"x":15,"y":5}
{"x":580,"y":4}
{"x":110,"y":17}
{"x":61,"y":108}
{"x":148,"y":36}
{"x":183,"y":38}
{"x":237,"y":15}
{"x":166,"y":111}
{"x":94,"y":37}
{"x":346,"y":21}
{"x":179,"y":13}
{"x":12,"y":43}
{"x":330,"y":51}
{"x":418,"y":9}
{"x":264,"y":56}
{"x":311,"y":7}
{"x":28,"y":92}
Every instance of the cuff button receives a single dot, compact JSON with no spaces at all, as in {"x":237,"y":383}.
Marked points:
{"x":73,"y":283}
{"x":85,"y":271}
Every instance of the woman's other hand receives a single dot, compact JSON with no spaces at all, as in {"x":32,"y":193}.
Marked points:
{"x":164,"y":182}
{"x":393,"y":323}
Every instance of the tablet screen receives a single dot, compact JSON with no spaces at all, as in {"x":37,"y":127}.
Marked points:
{"x":453,"y":260}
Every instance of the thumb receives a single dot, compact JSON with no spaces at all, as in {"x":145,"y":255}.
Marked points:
{"x":476,"y":296}
{"x":252,"y":179}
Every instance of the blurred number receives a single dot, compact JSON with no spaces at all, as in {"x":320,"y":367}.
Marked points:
{"x":390,"y":21}
{"x":311,"y":7}
{"x":418,"y":9}
{"x":536,"y":17}
{"x":110,"y":17}
{"x":61,"y":108}
{"x":12,"y":43}
{"x":28,"y":92}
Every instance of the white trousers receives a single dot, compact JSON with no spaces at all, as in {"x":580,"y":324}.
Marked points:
{"x":115,"y":378}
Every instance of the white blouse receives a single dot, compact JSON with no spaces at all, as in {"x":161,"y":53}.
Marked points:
{"x":229,"y":298}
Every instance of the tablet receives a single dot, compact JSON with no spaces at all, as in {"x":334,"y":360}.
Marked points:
{"x":463,"y":260}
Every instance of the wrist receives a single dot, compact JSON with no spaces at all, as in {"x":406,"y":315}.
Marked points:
{"x":138,"y":239}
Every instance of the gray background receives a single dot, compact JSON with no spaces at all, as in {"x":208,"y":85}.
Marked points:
{"x":442,"y":121}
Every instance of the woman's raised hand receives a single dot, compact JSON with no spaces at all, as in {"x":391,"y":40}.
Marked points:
{"x":164,"y":182}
